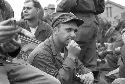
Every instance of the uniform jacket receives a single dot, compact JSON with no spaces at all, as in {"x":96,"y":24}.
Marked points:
{"x":46,"y":58}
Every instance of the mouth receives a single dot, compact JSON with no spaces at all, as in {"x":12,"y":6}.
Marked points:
{"x":26,"y":15}
{"x":68,"y":41}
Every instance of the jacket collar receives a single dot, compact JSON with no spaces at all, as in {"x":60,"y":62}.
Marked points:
{"x":41,"y":27}
{"x":53,"y":48}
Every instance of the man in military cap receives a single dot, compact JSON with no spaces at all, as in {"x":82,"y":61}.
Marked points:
{"x":47,"y":56}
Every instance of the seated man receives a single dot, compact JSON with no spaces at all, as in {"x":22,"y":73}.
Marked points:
{"x":32,"y":15}
{"x":33,"y":27}
{"x":47,"y":55}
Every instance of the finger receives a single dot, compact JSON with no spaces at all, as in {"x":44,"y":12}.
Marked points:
{"x":82,"y":77}
{"x":10,"y":32}
{"x":74,"y":43}
{"x":5,"y":22}
{"x":89,"y":80}
{"x":8,"y":47}
{"x":15,"y":42}
{"x":7,"y":28}
{"x":85,"y":81}
{"x":69,"y":44}
{"x":5,"y":39}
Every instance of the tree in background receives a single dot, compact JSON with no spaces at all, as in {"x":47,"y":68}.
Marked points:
{"x":104,"y":25}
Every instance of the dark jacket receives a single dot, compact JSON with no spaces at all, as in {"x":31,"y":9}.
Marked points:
{"x":44,"y":30}
{"x":82,"y":6}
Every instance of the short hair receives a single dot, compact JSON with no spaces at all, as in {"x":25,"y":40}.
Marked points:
{"x":35,"y":2}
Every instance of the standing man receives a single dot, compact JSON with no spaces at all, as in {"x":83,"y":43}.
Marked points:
{"x":47,"y":56}
{"x":87,"y":32}
{"x":32,"y":15}
{"x":16,"y":73}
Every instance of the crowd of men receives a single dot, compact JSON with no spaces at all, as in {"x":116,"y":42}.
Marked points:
{"x":68,"y":52}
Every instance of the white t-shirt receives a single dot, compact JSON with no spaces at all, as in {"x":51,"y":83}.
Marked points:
{"x":33,"y":30}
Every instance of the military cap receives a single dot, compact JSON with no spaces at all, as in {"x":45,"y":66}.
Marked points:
{"x":65,"y":17}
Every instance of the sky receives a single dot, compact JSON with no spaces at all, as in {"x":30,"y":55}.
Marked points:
{"x":17,"y":5}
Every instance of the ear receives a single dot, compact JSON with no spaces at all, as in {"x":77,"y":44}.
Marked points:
{"x":38,"y":10}
{"x":56,"y":30}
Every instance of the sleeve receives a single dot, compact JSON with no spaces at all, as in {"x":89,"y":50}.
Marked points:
{"x":65,"y":5}
{"x":45,"y":62}
{"x":82,"y":69}
{"x":15,"y":53}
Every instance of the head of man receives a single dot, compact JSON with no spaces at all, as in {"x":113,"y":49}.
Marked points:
{"x":49,"y":10}
{"x":65,"y":25}
{"x":32,"y":9}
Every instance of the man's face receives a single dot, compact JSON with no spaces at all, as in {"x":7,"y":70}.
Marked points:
{"x":29,"y":11}
{"x":66,"y":32}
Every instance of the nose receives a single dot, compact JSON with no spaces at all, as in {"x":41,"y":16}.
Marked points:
{"x":25,"y":10}
{"x":72,"y":34}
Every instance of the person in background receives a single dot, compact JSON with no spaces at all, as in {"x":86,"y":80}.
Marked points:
{"x":16,"y":73}
{"x":32,"y":15}
{"x":121,"y":79}
{"x":49,"y":10}
{"x":33,"y":26}
{"x":47,"y":55}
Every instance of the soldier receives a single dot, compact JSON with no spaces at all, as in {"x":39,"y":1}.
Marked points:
{"x":46,"y":56}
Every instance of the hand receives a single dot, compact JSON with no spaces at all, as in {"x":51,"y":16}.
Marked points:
{"x":73,"y":49}
{"x":87,"y":78}
{"x":7,"y":31}
{"x":11,"y":45}
{"x":118,"y":49}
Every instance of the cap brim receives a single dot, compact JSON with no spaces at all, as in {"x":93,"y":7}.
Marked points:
{"x":77,"y":21}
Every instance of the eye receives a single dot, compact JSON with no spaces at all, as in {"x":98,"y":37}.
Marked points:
{"x":75,"y":30}
{"x":24,"y":8}
{"x":69,"y":29}
{"x":28,"y":8}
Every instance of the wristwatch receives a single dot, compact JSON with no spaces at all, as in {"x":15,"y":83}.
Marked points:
{"x":73,"y":58}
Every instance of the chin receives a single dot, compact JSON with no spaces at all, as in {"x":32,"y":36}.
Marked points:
{"x":66,"y":43}
{"x":26,"y":18}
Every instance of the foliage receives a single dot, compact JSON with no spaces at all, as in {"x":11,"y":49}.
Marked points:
{"x":104,"y":25}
